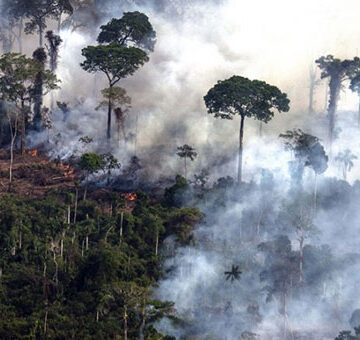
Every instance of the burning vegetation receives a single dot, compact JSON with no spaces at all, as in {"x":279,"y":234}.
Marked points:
{"x":95,"y":242}
{"x":131,"y":196}
{"x":33,"y":153}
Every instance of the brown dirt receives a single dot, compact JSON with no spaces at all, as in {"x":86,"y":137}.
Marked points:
{"x":34,"y":176}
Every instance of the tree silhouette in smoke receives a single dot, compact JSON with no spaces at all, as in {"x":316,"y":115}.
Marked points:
{"x":186,"y":151}
{"x":233,"y":274}
{"x":345,"y":159}
{"x":308,"y":152}
{"x":337,"y":71}
{"x":246,"y":98}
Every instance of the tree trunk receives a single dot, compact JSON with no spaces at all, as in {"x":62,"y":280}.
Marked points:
{"x":143,"y":320}
{"x":86,"y":187}
{"x":136,"y":133}
{"x":157,"y":243}
{"x":260,"y":129}
{"x":185,"y":167}
{"x":23,"y":128}
{"x":76,"y":202}
{"x":108,"y":134}
{"x":62,"y":245}
{"x":19,"y":37}
{"x":125,"y":323}
{"x":301,"y":258}
{"x":121,"y":227}
{"x":359,"y":110}
{"x":312,"y":89}
{"x":335,"y":87}
{"x":68,"y":214}
{"x":240,"y":156}
{"x":45,"y":320}
{"x":11,"y":163}
{"x":13,"y":138}
{"x":315,"y":193}
{"x":326,"y":97}
{"x":56,"y":268}
{"x":40,"y":36}
{"x":59,"y":24}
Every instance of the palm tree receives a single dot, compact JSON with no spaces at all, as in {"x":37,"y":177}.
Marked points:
{"x":186,"y":151}
{"x":233,"y":274}
{"x":345,"y":159}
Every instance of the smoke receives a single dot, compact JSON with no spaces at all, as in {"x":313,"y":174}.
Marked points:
{"x":237,"y":222}
{"x":198,"y":43}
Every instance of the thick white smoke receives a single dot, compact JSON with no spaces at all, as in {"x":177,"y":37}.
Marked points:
{"x":200,"y":43}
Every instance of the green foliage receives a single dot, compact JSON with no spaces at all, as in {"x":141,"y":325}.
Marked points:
{"x":133,"y":28}
{"x":79,"y":274}
{"x":175,"y":196}
{"x":117,"y":97}
{"x":115,"y":61}
{"x":18,"y":77}
{"x":181,"y":223}
{"x":38,"y":11}
{"x":337,"y":68}
{"x":90,"y":162}
{"x":245,"y":97}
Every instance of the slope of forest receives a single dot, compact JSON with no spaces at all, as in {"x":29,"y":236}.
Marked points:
{"x":127,"y":212}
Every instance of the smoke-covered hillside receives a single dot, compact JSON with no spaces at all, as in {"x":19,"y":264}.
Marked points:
{"x":179,"y":169}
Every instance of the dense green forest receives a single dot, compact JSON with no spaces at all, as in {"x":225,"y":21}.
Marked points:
{"x":168,"y":170}
{"x":88,"y":276}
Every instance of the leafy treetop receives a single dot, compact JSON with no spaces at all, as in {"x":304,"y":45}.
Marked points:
{"x":115,"y":61}
{"x":248,"y":98}
{"x":133,"y":29}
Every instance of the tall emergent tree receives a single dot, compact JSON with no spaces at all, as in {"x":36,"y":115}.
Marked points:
{"x":116,"y":62}
{"x":186,"y":151}
{"x":53,"y":44}
{"x":38,"y":90}
{"x":123,"y":49}
{"x":127,"y":40}
{"x":246,"y":98}
{"x":337,"y":71}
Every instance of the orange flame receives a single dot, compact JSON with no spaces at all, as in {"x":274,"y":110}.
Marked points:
{"x":131,"y":196}
{"x":33,"y":153}
{"x":67,"y":171}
